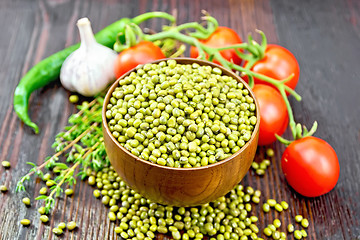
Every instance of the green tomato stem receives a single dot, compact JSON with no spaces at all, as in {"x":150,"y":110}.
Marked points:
{"x":283,"y":140}
{"x":179,"y":51}
{"x":146,"y":16}
{"x":292,"y":123}
{"x":193,"y":25}
{"x":212,"y":25}
{"x":235,"y":46}
{"x":312,"y":130}
{"x":244,"y":56}
{"x":130,"y":36}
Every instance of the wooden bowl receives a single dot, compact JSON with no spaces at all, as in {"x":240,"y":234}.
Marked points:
{"x":180,"y":186}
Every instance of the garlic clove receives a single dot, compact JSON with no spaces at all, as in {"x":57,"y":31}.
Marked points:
{"x":89,"y":69}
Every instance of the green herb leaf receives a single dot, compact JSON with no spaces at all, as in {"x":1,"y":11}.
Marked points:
{"x":31,"y":163}
{"x":41,"y":197}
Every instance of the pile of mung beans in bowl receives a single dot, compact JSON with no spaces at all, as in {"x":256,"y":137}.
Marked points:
{"x":181,"y":131}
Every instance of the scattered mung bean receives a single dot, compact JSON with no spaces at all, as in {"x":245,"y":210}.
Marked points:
{"x":73,"y":98}
{"x":118,"y":230}
{"x":72,"y":225}
{"x":298,"y":218}
{"x":26,"y":201}
{"x":44,"y":218}
{"x":278,"y":207}
{"x":271,"y":202}
{"x":304,"y":223}
{"x":290,"y":228}
{"x":266,"y":207}
{"x":3,"y":188}
{"x":96,"y":193}
{"x":69,"y":192}
{"x":297,"y":234}
{"x":284,"y":205}
{"x":276,"y":235}
{"x":57,"y":231}
{"x":6,"y":164}
{"x":50,"y":183}
{"x":46,"y":177}
{"x":277,"y":223}
{"x":272,"y":227}
{"x":303,"y":233}
{"x":43,"y":191}
{"x":25,"y":222}
{"x":260,"y":172}
{"x":270,"y":152}
{"x":61,"y":225}
{"x":112,"y":216}
{"x":41,"y":210}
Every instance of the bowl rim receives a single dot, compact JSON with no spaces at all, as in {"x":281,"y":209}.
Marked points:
{"x":186,"y":59}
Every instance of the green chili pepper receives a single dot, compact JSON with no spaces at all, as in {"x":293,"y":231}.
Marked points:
{"x":48,"y":69}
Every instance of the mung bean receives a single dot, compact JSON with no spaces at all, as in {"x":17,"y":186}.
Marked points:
{"x":298,"y":218}
{"x":290,"y":228}
{"x":26,"y":201}
{"x":44,"y":218}
{"x":278,"y":207}
{"x":73,"y":98}
{"x":276,"y":235}
{"x":266,"y":207}
{"x":277,"y":223}
{"x":3,"y":188}
{"x":69,"y":192}
{"x":304,"y":223}
{"x":303,"y":233}
{"x":272,"y":227}
{"x":284,"y":205}
{"x":267,"y":231}
{"x":6,"y":164}
{"x":41,"y":210}
{"x":61,"y":225}
{"x":57,"y":231}
{"x":271,"y":202}
{"x":43,"y":191}
{"x":25,"y":222}
{"x":270,"y":152}
{"x":297,"y":234}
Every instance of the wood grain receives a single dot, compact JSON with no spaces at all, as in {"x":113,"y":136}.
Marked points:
{"x":323,"y":35}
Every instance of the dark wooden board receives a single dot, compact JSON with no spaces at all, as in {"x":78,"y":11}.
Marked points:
{"x":323,"y":35}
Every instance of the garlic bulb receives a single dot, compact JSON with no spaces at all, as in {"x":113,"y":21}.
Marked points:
{"x":90,"y":68}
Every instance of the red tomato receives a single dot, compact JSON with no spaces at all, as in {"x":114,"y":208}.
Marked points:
{"x":278,"y":63}
{"x":221,"y":37}
{"x":273,"y":113}
{"x":310,"y":166}
{"x":141,"y":53}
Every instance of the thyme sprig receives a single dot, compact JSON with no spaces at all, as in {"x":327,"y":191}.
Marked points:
{"x":80,"y":145}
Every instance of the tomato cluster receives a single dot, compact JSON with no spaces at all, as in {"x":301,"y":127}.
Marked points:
{"x":309,"y":164}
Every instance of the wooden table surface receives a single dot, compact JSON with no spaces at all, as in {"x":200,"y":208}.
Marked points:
{"x":323,"y":35}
